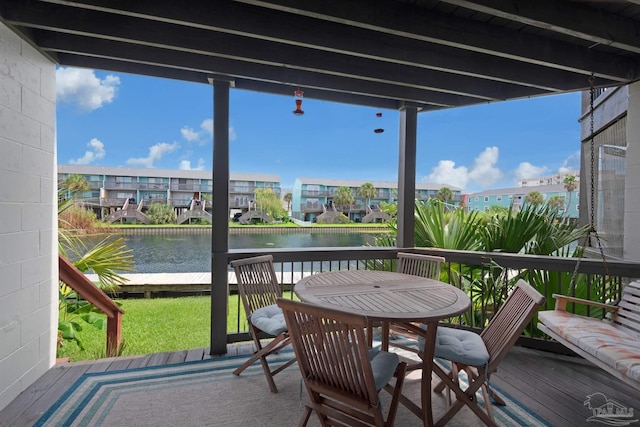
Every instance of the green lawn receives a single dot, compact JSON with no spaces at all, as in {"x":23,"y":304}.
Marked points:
{"x":157,"y":325}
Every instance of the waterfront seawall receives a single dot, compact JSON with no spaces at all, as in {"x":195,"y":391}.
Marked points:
{"x":245,"y":230}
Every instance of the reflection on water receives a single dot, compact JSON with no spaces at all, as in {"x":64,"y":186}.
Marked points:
{"x":192,"y":253}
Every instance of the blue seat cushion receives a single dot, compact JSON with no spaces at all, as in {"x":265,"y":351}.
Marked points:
{"x":383,"y":365}
{"x":269,"y":319}
{"x":460,"y":346}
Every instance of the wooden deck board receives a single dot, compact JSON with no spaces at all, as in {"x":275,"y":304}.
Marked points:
{"x":557,"y":386}
{"x":196,"y":354}
{"x":51,"y":392}
{"x":552,"y":386}
{"x":177,"y":357}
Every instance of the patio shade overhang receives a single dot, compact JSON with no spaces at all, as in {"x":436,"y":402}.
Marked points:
{"x":387,"y":54}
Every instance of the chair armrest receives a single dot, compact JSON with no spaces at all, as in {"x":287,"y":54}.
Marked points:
{"x":562,"y":300}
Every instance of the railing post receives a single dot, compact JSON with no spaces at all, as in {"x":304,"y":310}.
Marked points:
{"x":114,"y":334}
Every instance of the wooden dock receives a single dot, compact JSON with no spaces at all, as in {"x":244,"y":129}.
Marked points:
{"x":198,"y":282}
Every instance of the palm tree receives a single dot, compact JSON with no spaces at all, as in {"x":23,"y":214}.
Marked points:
{"x":287,"y":198}
{"x":75,"y":184}
{"x":367,"y":190}
{"x":556,"y":202}
{"x":570,"y":184}
{"x":444,"y":194}
{"x":534,"y":198}
{"x":343,"y":197}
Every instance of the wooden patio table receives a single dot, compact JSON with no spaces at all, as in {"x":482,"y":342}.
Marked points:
{"x":386,"y":296}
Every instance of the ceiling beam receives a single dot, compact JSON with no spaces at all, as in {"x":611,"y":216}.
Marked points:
{"x":197,"y":77}
{"x":120,"y":51}
{"x":432,"y":26}
{"x":569,"y":18}
{"x":250,"y":50}
{"x":273,"y":20}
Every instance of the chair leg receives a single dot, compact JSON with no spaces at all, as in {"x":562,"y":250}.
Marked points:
{"x":442,"y":383}
{"x":261,"y":354}
{"x":400,"y":373}
{"x":497,"y":399}
{"x":304,"y":418}
{"x":463,"y":397}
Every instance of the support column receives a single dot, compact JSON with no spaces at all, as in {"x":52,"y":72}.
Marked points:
{"x":631,"y":245}
{"x":407,"y":176}
{"x":220,"y":217}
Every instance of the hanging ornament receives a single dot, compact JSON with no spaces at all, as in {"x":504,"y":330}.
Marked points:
{"x":378,"y":130}
{"x":298,"y":94}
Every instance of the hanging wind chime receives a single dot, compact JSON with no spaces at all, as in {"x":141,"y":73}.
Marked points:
{"x":298,"y":95}
{"x":378,"y":130}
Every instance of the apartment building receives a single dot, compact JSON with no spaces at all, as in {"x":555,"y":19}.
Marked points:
{"x":111,"y":187}
{"x":311,"y":197}
{"x":505,"y":197}
{"x":548,"y":180}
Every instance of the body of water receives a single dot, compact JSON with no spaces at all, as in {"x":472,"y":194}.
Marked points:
{"x":192,"y":252}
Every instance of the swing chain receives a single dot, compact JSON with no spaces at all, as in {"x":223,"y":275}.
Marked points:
{"x":592,"y":228}
{"x":592,"y":93}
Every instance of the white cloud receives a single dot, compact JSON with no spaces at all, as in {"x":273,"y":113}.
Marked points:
{"x":185,"y":165}
{"x":96,"y":152}
{"x":571,"y":163}
{"x":189,"y":134}
{"x":482,"y":173}
{"x":447,"y":173}
{"x":527,"y":170}
{"x":155,"y":153}
{"x":207,"y":126}
{"x":83,"y":88}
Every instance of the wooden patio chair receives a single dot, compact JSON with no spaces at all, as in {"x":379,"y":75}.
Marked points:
{"x":420,"y":265}
{"x":480,"y":355}
{"x":259,"y":290}
{"x":417,"y":265}
{"x":343,"y":376}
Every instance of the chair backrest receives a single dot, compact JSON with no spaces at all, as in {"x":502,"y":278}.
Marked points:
{"x":257,"y":282}
{"x":507,"y":324}
{"x":420,"y":265}
{"x":331,"y":349}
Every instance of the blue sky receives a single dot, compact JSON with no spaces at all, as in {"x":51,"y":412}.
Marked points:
{"x":117,"y":119}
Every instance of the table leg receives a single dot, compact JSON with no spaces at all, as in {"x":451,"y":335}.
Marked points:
{"x":427,"y":369}
{"x":370,"y":333}
{"x":385,"y":335}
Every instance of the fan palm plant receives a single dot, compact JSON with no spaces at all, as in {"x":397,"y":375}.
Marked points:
{"x":107,"y":259}
{"x":533,"y":230}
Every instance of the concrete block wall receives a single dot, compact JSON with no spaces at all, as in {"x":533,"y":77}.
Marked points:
{"x":28,"y":216}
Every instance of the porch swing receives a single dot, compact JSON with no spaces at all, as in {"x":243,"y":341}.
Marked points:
{"x":611,"y":343}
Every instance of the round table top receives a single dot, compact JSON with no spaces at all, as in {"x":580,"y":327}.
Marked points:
{"x":383,"y":295}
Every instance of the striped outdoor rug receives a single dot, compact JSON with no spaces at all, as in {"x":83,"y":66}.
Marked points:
{"x":206,"y":393}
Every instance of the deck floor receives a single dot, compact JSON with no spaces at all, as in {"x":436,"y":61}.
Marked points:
{"x":552,"y":386}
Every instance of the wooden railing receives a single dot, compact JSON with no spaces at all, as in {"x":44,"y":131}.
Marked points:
{"x":76,"y":280}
